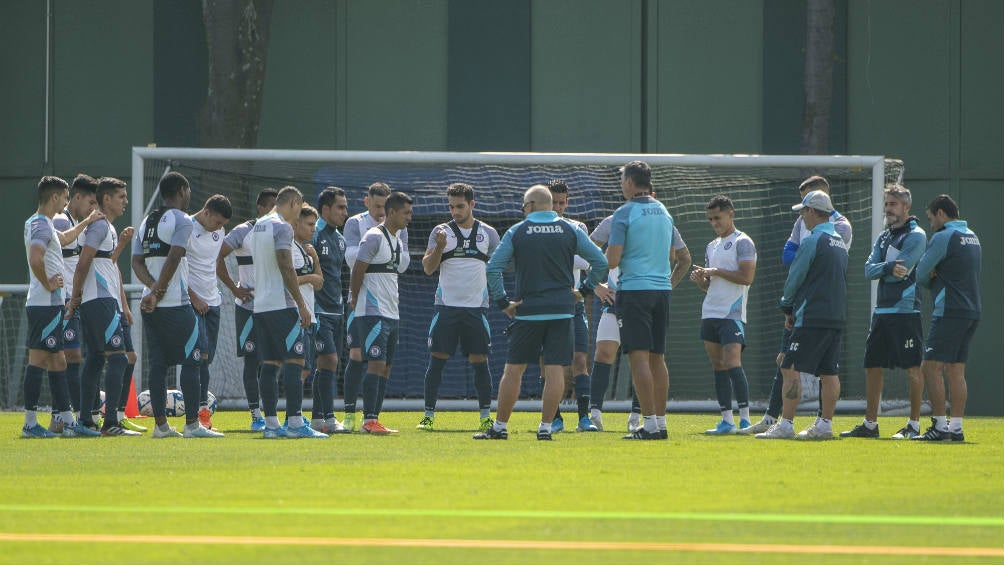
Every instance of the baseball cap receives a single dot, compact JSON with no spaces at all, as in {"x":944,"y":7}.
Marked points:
{"x":817,"y":199}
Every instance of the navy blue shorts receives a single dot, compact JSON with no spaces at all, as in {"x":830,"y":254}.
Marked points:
{"x":379,"y":337}
{"x":352,"y":337}
{"x":581,"y":328}
{"x":531,"y":340}
{"x":209,"y":331}
{"x":172,"y":335}
{"x":948,"y":340}
{"x":310,"y":348}
{"x":45,"y":328}
{"x":102,"y":325}
{"x":467,"y":326}
{"x":279,"y":335}
{"x":126,"y":334}
{"x":330,"y":332}
{"x":814,"y":350}
{"x":894,"y":341}
{"x":723,"y":331}
{"x":246,"y":344}
{"x":71,"y":331}
{"x":643,"y":316}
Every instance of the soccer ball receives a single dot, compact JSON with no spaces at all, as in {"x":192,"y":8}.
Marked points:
{"x":143,"y":401}
{"x":101,"y":408}
{"x":175,"y":403}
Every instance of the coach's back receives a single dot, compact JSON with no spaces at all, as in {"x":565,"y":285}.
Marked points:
{"x":645,"y":229}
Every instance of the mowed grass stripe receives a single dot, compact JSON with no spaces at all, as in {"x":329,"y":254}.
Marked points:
{"x":532,"y":514}
{"x":512,"y":544}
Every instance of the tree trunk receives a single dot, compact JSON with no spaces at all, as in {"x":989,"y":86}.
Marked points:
{"x":237,"y":33}
{"x":818,"y":77}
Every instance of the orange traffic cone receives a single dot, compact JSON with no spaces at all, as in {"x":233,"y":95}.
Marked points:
{"x":132,"y":406}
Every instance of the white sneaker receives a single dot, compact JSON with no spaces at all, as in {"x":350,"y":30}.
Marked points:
{"x":815,"y":432}
{"x":200,"y":431}
{"x":757,"y":428}
{"x":596,"y":417}
{"x":777,"y":431}
{"x":634,"y":422}
{"x":170,"y":432}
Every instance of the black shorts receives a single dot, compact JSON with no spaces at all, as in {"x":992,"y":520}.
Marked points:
{"x":279,"y":335}
{"x":467,"y":326}
{"x":246,"y":343}
{"x":172,"y":335}
{"x":948,"y":340}
{"x":814,"y":350}
{"x":209,"y":331}
{"x":379,"y":341}
{"x":581,"y":328}
{"x":352,"y":337}
{"x":310,"y":348}
{"x":530,"y":340}
{"x":126,"y":335}
{"x":643,"y":316}
{"x":330,"y":332}
{"x":71,"y":331}
{"x":894,"y":341}
{"x":723,"y":331}
{"x":45,"y":328}
{"x":102,"y":325}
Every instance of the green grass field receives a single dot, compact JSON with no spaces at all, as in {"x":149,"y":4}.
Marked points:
{"x":440,"y":497}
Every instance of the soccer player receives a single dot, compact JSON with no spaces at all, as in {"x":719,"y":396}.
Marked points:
{"x":895,"y":338}
{"x":329,"y":307}
{"x":640,"y":228}
{"x":608,"y":335}
{"x":460,"y":250}
{"x":305,"y":263}
{"x":798,"y":233}
{"x":81,"y":205}
{"x":280,"y":316}
{"x":815,"y":310}
{"x":169,"y":321}
{"x":730,"y":263}
{"x":543,"y":248}
{"x":97,"y":291}
{"x":950,"y":268}
{"x":44,"y":305}
{"x":238,"y":242}
{"x":380,"y":258}
{"x":355,"y":228}
{"x":126,"y":317}
{"x":203,"y":249}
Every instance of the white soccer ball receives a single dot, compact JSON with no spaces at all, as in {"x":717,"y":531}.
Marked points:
{"x":175,"y":403}
{"x":143,"y":402}
{"x":212,"y":402}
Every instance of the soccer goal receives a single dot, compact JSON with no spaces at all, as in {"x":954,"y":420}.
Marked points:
{"x":763,"y":188}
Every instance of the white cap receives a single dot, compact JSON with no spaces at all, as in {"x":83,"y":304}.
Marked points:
{"x":817,"y":199}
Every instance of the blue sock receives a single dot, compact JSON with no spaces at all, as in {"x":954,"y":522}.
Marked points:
{"x":598,"y":385}
{"x":204,"y":383}
{"x":73,"y":383}
{"x":353,"y":384}
{"x":113,"y":387}
{"x":324,"y":393}
{"x":90,"y":376}
{"x":774,"y":407}
{"x":250,"y":377}
{"x":60,"y":392}
{"x":190,"y":390}
{"x":483,"y":386}
{"x":371,"y":392}
{"x":381,"y":393}
{"x":582,"y":394}
{"x":723,"y":390}
{"x":126,"y":381}
{"x":269,"y":389}
{"x":294,"y":388}
{"x":433,"y":378}
{"x":740,"y":385}
{"x":32,"y":386}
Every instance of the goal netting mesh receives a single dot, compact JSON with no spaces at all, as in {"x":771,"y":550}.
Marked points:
{"x":763,"y":190}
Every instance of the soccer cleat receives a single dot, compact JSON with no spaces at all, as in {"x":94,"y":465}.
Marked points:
{"x":205,"y":418}
{"x":56,"y":424}
{"x":934,"y":434}
{"x":861,"y":430}
{"x":777,"y":431}
{"x":375,"y":427}
{"x":37,"y":432}
{"x":274,"y":433}
{"x":350,"y":421}
{"x":129,"y":425}
{"x":333,"y":426}
{"x":957,"y":436}
{"x":77,"y":430}
{"x":112,"y":431}
{"x":757,"y":428}
{"x":492,"y":433}
{"x":814,"y":432}
{"x":742,"y":424}
{"x":557,"y":425}
{"x":906,"y":432}
{"x":201,"y":431}
{"x":544,"y":435}
{"x":642,"y":433}
{"x":485,"y":424}
{"x":634,"y":422}
{"x":597,"y":420}
{"x":426,"y":423}
{"x":304,"y":431}
{"x":586,"y":425}
{"x":722,"y":429}
{"x":169,"y":432}
{"x":257,"y":424}
{"x":663,"y":434}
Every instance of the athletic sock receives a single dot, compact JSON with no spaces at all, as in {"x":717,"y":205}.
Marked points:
{"x":870,"y":425}
{"x":204,"y":383}
{"x":272,"y":422}
{"x":90,"y":376}
{"x":73,"y":384}
{"x":30,"y":418}
{"x":582,"y":393}
{"x":294,"y":391}
{"x":113,"y":387}
{"x":126,"y":381}
{"x":269,"y":389}
{"x":635,"y":403}
{"x":741,"y":387}
{"x":650,"y":425}
{"x":371,"y":390}
{"x":433,"y":378}
{"x":723,"y":392}
{"x":600,"y":380}
{"x":728,"y":418}
{"x":660,"y":422}
{"x":381,"y":394}
{"x":250,"y":376}
{"x":774,"y":405}
{"x":256,"y":413}
{"x":544,"y":427}
{"x":915,"y":424}
{"x":324,"y":394}
{"x":483,"y":387}
{"x":190,"y":389}
{"x":941,"y":423}
{"x":786,"y":422}
{"x":500,"y":426}
{"x":744,"y":413}
{"x":353,"y":384}
{"x":60,"y":392}
{"x":955,"y":425}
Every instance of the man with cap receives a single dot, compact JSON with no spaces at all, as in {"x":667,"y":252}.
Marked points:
{"x":815,"y":309}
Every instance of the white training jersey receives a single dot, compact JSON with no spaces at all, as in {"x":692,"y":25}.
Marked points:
{"x":840,"y":224}
{"x":271,"y":233}
{"x":601,"y":235}
{"x":163,"y":229}
{"x":578,"y":263}
{"x":354,"y":230}
{"x":387,"y":257}
{"x":462,"y":279}
{"x":64,"y":221}
{"x":203,"y":248}
{"x":303,"y":264}
{"x":239,"y":239}
{"x":38,"y":230}
{"x":726,"y":299}
{"x":103,"y":279}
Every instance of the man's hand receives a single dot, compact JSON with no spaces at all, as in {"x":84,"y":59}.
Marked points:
{"x":243,"y":294}
{"x":54,"y":282}
{"x":126,"y":233}
{"x":510,"y":310}
{"x":71,"y":306}
{"x":305,"y":316}
{"x":606,"y":294}
{"x":127,"y":314}
{"x":789,"y":322}
{"x":900,"y":271}
{"x":149,"y":303}
{"x":200,"y":305}
{"x":94,"y":216}
{"x":440,"y":237}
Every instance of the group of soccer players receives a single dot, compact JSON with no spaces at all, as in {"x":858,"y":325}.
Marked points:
{"x":291,"y":316}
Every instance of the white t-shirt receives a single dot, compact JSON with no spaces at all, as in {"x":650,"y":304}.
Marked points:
{"x":303,"y":264}
{"x":172,"y":229}
{"x":38,"y":230}
{"x":203,"y":248}
{"x":354,"y":230}
{"x":239,"y":239}
{"x":462,"y":279}
{"x":64,"y":221}
{"x":103,"y":279}
{"x":578,"y":263}
{"x":379,"y":291}
{"x":271,"y":233}
{"x":726,"y":299}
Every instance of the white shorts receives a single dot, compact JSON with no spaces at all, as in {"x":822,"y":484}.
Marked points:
{"x":608,"y":329}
